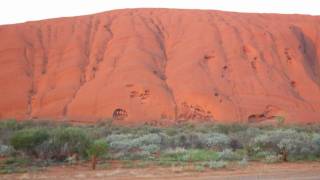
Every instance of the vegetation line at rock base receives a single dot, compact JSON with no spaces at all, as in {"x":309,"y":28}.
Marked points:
{"x":29,"y":145}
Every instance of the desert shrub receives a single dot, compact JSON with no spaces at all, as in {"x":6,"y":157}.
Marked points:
{"x":180,"y":140}
{"x":181,"y":143}
{"x":9,"y":124}
{"x":217,"y":164}
{"x":128,"y":141}
{"x":38,"y":124}
{"x":28,"y":139}
{"x":284,"y":142}
{"x":228,"y":128}
{"x":174,"y":151}
{"x":316,"y":142}
{"x":196,"y":140}
{"x":15,"y":165}
{"x":151,"y":148}
{"x":272,"y":158}
{"x":181,"y":154}
{"x":5,"y":150}
{"x":244,"y":162}
{"x":176,"y":154}
{"x":241,"y":139}
{"x":166,"y":141}
{"x":134,"y":147}
{"x":229,"y":155}
{"x":261,"y":155}
{"x":98,"y":132}
{"x":147,"y":129}
{"x":66,"y":142}
{"x":5,"y":136}
{"x":170,"y":131}
{"x":188,"y":140}
{"x":7,"y":128}
{"x":200,"y":155}
{"x":216,"y":140}
{"x":199,"y":167}
{"x":96,"y":149}
{"x":147,"y":140}
{"x":118,"y":137}
{"x":121,"y":146}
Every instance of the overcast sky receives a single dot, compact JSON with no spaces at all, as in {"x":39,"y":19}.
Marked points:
{"x":15,"y":11}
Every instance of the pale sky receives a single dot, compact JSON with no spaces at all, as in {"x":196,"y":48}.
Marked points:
{"x":16,"y":11}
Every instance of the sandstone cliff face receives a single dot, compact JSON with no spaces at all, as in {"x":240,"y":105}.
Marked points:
{"x":161,"y":65}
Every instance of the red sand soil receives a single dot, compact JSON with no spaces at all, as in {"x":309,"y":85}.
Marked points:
{"x":162,"y":65}
{"x":306,"y":170}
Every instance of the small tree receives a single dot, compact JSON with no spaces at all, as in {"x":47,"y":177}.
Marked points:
{"x":97,"y":149}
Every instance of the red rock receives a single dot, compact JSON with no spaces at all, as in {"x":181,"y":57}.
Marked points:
{"x":162,"y":65}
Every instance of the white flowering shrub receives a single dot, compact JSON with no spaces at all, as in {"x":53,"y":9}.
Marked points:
{"x":5,"y":150}
{"x":217,"y":164}
{"x":118,"y":137}
{"x":229,"y":155}
{"x":151,"y":148}
{"x":244,"y":162}
{"x":272,"y":158}
{"x":147,"y":140}
{"x":216,"y":140}
{"x":284,"y":142}
{"x":316,"y":142}
{"x":129,"y":146}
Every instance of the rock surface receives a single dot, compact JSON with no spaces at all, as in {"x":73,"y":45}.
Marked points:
{"x":161,"y":66}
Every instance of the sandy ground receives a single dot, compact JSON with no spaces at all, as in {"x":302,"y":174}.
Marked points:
{"x":299,"y":171}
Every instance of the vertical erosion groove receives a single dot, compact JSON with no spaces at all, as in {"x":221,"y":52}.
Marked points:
{"x":309,"y":54}
{"x":236,"y":100}
{"x":89,"y":35}
{"x":158,"y":31}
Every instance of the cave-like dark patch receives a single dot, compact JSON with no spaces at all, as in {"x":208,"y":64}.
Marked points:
{"x":119,"y":114}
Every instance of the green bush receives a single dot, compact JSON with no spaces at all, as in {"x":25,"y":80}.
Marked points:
{"x":7,"y":129}
{"x":10,"y":124}
{"x":67,"y":141}
{"x":176,"y":154}
{"x":28,"y":139}
{"x":192,"y":155}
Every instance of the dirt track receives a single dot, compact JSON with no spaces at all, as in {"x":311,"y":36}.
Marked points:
{"x":253,"y":171}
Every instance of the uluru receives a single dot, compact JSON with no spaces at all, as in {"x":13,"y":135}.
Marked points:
{"x":162,"y":66}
